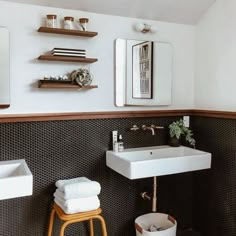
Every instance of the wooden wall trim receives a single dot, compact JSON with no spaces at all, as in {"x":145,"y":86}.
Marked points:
{"x":214,"y":114}
{"x":112,"y":115}
{"x":90,"y":115}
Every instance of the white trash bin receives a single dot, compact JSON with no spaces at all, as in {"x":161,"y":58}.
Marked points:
{"x":165,"y":224}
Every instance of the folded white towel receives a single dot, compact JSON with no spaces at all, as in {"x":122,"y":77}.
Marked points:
{"x":61,"y":195}
{"x":78,"y":205}
{"x":61,"y":183}
{"x":78,"y":187}
{"x":79,"y":200}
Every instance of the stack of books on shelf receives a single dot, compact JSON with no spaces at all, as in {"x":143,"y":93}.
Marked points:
{"x":68,"y":52}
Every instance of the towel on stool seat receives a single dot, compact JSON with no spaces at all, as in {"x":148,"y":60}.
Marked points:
{"x":78,"y":187}
{"x":77,"y":205}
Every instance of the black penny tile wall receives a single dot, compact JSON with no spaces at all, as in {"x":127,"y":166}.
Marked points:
{"x":214,"y":212}
{"x":66,"y":149}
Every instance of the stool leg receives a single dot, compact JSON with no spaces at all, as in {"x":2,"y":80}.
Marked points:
{"x":63,"y":227}
{"x":103,"y":224}
{"x":51,"y":222}
{"x":65,"y":224}
{"x":91,"y":227}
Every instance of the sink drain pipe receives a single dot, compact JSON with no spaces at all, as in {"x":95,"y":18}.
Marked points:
{"x":147,"y":196}
{"x":154,"y":197}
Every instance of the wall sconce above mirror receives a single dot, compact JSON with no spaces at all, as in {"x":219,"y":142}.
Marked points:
{"x":4,"y":68}
{"x":143,"y":73}
{"x":145,"y":28}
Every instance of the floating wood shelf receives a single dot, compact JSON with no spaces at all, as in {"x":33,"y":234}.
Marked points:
{"x":67,"y":59}
{"x":67,"y":32}
{"x":62,"y":85}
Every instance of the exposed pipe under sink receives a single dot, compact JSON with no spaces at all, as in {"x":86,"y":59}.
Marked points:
{"x":146,"y":195}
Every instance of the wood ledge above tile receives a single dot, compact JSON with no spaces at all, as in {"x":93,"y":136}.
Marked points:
{"x":113,"y":114}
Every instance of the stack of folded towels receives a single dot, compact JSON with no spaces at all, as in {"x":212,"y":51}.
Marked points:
{"x":77,"y":195}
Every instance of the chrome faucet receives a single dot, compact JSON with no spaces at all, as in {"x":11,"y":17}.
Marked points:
{"x":144,"y":127}
{"x":157,"y":127}
{"x":152,"y":128}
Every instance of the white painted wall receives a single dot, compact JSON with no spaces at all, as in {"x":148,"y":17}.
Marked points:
{"x":27,"y":44}
{"x":215,"y":81}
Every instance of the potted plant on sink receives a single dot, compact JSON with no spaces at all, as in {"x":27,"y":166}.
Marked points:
{"x":177,"y":130}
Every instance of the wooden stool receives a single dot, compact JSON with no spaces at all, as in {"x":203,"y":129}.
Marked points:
{"x":74,"y":218}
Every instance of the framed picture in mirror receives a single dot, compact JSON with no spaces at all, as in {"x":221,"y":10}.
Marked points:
{"x":142,"y":73}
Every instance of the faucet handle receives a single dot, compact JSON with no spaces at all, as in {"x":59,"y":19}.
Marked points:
{"x":157,"y":127}
{"x":134,"y":128}
{"x":144,"y":127}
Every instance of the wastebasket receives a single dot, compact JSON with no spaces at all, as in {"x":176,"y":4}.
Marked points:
{"x":165,"y":225}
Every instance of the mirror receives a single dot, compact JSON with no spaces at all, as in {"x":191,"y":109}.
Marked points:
{"x":143,"y":73}
{"x":4,"y":68}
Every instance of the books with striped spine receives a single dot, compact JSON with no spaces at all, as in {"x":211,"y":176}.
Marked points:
{"x":69,"y":52}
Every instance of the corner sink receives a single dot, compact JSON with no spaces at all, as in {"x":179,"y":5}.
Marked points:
{"x":136,"y":163}
{"x":16,"y":179}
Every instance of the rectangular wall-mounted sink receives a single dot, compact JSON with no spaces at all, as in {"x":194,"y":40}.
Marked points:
{"x":16,"y":180}
{"x":136,"y":163}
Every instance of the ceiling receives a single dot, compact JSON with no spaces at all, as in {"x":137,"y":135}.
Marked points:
{"x":177,"y":11}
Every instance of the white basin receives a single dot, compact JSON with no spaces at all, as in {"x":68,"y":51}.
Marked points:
{"x":16,"y":179}
{"x":136,"y":163}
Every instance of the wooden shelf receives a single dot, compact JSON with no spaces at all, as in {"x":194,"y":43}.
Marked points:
{"x":67,"y":59}
{"x":62,"y":84}
{"x":67,"y":32}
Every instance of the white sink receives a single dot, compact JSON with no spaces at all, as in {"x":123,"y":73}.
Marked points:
{"x":136,"y":163}
{"x":16,"y":179}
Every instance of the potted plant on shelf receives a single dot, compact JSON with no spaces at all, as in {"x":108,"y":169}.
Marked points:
{"x":177,"y":130}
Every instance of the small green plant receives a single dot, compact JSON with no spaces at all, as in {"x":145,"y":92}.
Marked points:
{"x":178,"y":129}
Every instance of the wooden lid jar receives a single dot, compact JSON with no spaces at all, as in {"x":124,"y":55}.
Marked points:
{"x":83,"y":23}
{"x":51,"y":21}
{"x":68,"y":22}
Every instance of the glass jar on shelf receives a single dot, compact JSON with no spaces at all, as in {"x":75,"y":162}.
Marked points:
{"x":51,"y":21}
{"x":83,"y":23}
{"x":68,"y":22}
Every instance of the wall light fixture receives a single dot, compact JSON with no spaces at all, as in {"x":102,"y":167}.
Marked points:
{"x":145,"y":28}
